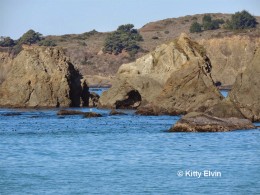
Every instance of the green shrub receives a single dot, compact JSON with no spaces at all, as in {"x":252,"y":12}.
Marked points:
{"x":195,"y":27}
{"x":30,"y":37}
{"x":124,"y":38}
{"x":7,"y":42}
{"x":206,"y":18}
{"x":213,"y":25}
{"x":166,"y":32}
{"x":241,"y":20}
{"x":209,"y":24}
{"x":48,"y":43}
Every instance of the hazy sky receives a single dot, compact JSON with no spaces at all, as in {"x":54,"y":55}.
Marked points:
{"x":58,"y":17}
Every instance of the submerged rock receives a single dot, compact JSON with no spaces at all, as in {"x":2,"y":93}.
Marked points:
{"x":174,"y":78}
{"x":76,"y":112}
{"x":91,"y":115}
{"x":115,"y":112}
{"x":70,"y":112}
{"x":41,"y":77}
{"x":12,"y":114}
{"x":201,"y":122}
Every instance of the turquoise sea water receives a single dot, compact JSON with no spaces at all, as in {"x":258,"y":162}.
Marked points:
{"x":42,"y":153}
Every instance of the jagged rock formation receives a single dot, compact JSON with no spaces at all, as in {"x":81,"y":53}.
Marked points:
{"x":41,"y":77}
{"x":237,"y":111}
{"x":5,"y":64}
{"x":201,"y":122}
{"x":93,"y":99}
{"x":225,"y":109}
{"x":244,"y":98}
{"x":129,"y":92}
{"x":190,"y":88}
{"x":175,"y":78}
{"x":230,"y":56}
{"x":245,"y":93}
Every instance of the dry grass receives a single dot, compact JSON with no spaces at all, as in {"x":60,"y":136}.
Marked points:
{"x":85,"y":49}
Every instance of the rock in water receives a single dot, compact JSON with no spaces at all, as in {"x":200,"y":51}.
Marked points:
{"x":245,"y":93}
{"x":93,"y":99}
{"x":190,"y":88}
{"x":91,"y":115}
{"x":182,"y":62}
{"x":41,"y":77}
{"x":70,"y":112}
{"x":201,"y":122}
{"x":115,"y":112}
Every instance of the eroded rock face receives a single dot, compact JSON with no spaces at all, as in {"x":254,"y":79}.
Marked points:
{"x":188,"y":89}
{"x":230,"y":56}
{"x":5,"y":65}
{"x":245,"y":93}
{"x":93,"y":99}
{"x":41,"y":77}
{"x":225,"y":109}
{"x":130,"y":91}
{"x":201,"y":122}
{"x":178,"y":64}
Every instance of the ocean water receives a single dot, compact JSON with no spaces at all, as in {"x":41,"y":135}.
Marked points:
{"x":42,"y":153}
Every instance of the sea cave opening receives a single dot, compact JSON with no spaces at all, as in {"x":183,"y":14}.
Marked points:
{"x":132,"y":101}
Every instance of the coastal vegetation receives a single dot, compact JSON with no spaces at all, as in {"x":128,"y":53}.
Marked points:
{"x":241,"y":20}
{"x":7,"y":42}
{"x":124,"y":38}
{"x":238,"y":21}
{"x":28,"y":38}
{"x":195,"y":27}
{"x":207,"y":24}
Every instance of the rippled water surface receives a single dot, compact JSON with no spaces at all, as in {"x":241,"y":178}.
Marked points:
{"x":42,"y":153}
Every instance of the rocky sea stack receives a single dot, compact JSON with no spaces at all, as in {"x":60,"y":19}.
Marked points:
{"x":173,"y":79}
{"x":42,"y":77}
{"x":237,"y":111}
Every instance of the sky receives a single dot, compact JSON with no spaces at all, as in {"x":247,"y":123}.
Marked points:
{"x":57,"y":17}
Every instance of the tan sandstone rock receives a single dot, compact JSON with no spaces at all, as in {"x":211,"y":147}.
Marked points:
{"x":139,"y":83}
{"x":244,"y":98}
{"x":245,"y":93}
{"x":41,"y":77}
{"x":188,"y":89}
{"x":230,"y":56}
{"x":201,"y":122}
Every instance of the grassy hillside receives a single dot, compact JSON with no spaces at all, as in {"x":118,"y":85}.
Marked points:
{"x":85,"y":50}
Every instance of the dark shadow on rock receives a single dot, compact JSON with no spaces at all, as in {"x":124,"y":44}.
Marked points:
{"x":85,"y":95}
{"x":74,"y":80}
{"x":132,"y":101}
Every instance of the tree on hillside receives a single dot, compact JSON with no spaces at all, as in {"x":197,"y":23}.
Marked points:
{"x":30,"y":37}
{"x":206,"y":19}
{"x":241,"y":20}
{"x":124,"y":38}
{"x":7,"y":42}
{"x":209,"y":24}
{"x":195,"y":27}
